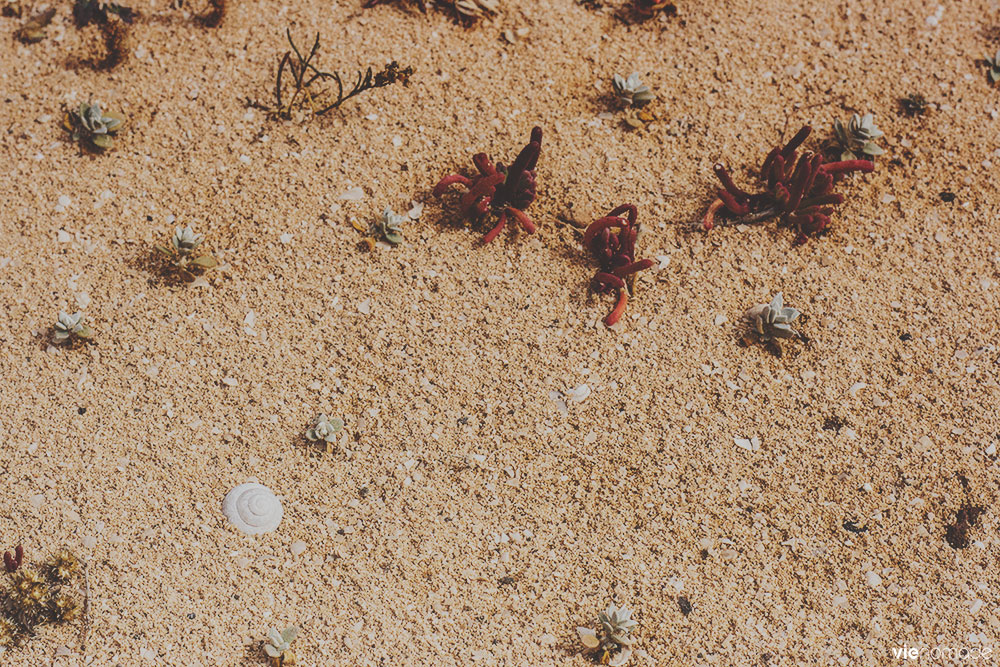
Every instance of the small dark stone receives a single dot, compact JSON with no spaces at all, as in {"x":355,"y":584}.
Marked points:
{"x":191,"y":616}
{"x":905,"y":337}
{"x":957,"y":534}
{"x":947,"y":196}
{"x":149,"y":218}
{"x":363,"y":491}
{"x":81,"y":411}
{"x":833,"y":423}
{"x":684,"y":604}
{"x":853,"y":527}
{"x":506,"y":581}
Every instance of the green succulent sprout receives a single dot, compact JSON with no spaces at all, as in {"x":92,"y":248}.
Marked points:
{"x":613,"y":640}
{"x":69,"y":328}
{"x":773,"y":320}
{"x":326,"y":429}
{"x":631,"y":90}
{"x":181,"y":253}
{"x":994,"y":64}
{"x":94,"y":126}
{"x":279,"y":645}
{"x":857,"y":137}
{"x":388,"y":227}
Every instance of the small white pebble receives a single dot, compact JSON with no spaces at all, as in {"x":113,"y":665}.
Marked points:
{"x":365,"y":307}
{"x":245,"y":159}
{"x":63,"y":236}
{"x":664,"y":262}
{"x":873,"y":579}
{"x":285,"y":238}
{"x":720,"y":319}
{"x":298,"y":546}
{"x":579,"y":394}
{"x":229,"y":382}
{"x":354,"y":194}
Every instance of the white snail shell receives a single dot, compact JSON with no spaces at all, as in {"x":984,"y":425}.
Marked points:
{"x":253,"y":508}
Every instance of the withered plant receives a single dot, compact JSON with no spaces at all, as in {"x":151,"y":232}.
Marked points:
{"x":36,"y":597}
{"x":300,"y":84}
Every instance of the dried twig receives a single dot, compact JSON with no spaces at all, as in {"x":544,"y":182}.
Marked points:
{"x":306,"y":87}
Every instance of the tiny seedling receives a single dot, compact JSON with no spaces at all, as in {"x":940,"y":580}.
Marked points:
{"x":70,"y":329}
{"x":38,"y":597}
{"x":631,"y":90}
{"x":300,"y":84}
{"x":12,"y":561}
{"x":773,"y":321}
{"x":994,"y":67}
{"x":498,"y":191}
{"x":612,"y":643}
{"x":611,"y":241}
{"x":92,"y":126}
{"x":279,"y":646}
{"x":856,"y":139}
{"x":467,"y":11}
{"x":799,"y":193}
{"x":325,"y":429}
{"x":388,"y":227}
{"x":914,"y":105}
{"x":33,"y":29}
{"x":182,"y":256}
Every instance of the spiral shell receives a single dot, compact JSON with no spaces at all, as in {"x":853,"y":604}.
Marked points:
{"x":253,"y":508}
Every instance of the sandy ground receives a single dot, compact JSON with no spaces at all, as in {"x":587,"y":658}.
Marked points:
{"x":466,"y":519}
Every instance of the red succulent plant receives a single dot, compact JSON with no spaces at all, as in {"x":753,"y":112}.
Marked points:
{"x":12,"y":562}
{"x":497,"y":190}
{"x":611,"y":241}
{"x":798,"y":193}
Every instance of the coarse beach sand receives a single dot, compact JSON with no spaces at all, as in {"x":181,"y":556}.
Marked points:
{"x":509,"y":465}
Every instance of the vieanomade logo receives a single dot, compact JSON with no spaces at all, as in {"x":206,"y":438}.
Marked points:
{"x":915,"y":653}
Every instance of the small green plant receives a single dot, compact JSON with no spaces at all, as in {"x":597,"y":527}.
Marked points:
{"x":773,"y":321}
{"x":856,"y":139}
{"x":612,"y":643}
{"x":278,"y":649}
{"x":994,"y":65}
{"x":93,"y":126}
{"x":631,"y":90}
{"x":300,"y":84}
{"x":181,"y":254}
{"x":37,"y":597}
{"x":325,"y":429}
{"x":70,"y":329}
{"x":388,"y":227}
